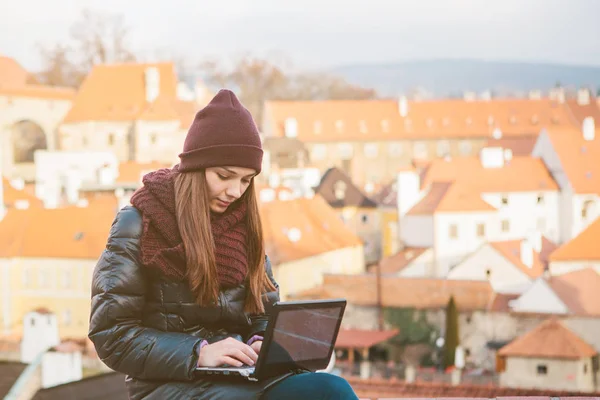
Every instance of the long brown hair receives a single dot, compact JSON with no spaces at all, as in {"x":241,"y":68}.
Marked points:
{"x":192,"y":205}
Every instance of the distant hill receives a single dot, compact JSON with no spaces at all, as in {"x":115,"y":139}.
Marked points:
{"x":447,"y":77}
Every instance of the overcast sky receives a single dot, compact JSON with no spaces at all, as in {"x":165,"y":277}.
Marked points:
{"x":323,"y":33}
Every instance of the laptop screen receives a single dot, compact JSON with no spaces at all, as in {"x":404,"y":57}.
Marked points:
{"x":304,"y":334}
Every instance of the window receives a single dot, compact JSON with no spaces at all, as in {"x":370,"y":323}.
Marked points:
{"x":43,"y":278}
{"x":364,"y":218}
{"x":467,"y":352}
{"x":362,"y":126}
{"x":84,"y":141}
{"x":67,"y":317}
{"x":453,"y":231}
{"x":588,"y":210}
{"x":480,"y":230}
{"x":371,"y":150}
{"x":443,"y":148}
{"x":318,"y":152}
{"x":420,"y":150}
{"x":585,"y":368}
{"x":345,"y":151}
{"x":339,"y":125}
{"x":32,"y":322}
{"x":464,"y":147}
{"x":26,"y":277}
{"x":66,"y":279}
{"x":385,"y":126}
{"x":318,"y":127}
{"x":488,"y":273}
{"x":153,"y":138}
{"x":504,"y":200}
{"x":505,"y":225}
{"x":542,"y":369}
{"x":540,"y":199}
{"x":111,"y":139}
{"x":395,"y":149}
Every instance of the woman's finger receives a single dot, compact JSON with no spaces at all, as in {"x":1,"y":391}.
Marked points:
{"x":230,"y":361}
{"x":240,"y":355}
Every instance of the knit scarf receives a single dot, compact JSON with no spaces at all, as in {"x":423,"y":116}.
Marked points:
{"x":162,"y":248}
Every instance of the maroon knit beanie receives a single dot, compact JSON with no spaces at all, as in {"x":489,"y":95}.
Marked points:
{"x":223,"y":134}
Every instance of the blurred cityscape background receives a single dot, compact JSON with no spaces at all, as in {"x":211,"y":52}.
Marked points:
{"x":436,"y":163}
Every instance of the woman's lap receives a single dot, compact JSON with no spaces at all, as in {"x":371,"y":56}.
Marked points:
{"x":317,"y":386}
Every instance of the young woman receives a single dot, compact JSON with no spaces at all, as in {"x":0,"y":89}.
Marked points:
{"x":184,"y":280}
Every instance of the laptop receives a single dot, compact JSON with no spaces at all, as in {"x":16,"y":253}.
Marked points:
{"x":300,"y":335}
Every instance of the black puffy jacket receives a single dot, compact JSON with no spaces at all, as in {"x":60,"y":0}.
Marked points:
{"x":150,"y":328}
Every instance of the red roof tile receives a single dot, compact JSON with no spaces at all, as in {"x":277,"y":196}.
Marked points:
{"x":550,"y":339}
{"x":375,"y":388}
{"x":357,"y":338}
{"x":404,"y":292}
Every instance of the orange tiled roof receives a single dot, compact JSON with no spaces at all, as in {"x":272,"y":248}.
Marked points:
{"x":404,"y":292}
{"x":360,"y":338}
{"x":450,"y":197}
{"x":170,"y":109}
{"x":397,"y":262}
{"x":579,"y":290}
{"x":520,"y":174}
{"x":578,"y":157}
{"x":550,"y":339}
{"x":511,"y":250}
{"x":312,"y":221}
{"x":580,"y":111}
{"x":338,"y":120}
{"x":116,"y":92}
{"x":12,"y":73}
{"x":39,"y":92}
{"x":132,"y":172}
{"x":583,"y":247}
{"x":13,"y":195}
{"x":70,"y":232}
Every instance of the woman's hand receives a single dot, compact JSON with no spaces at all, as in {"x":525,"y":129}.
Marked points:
{"x":228,"y":351}
{"x":256,"y":345}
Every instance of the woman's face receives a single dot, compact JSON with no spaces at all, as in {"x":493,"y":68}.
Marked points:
{"x":226,"y":185}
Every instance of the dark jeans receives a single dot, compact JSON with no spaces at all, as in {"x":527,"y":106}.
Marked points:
{"x":314,"y":386}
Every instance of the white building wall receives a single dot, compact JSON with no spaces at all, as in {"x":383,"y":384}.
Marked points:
{"x":525,"y":214}
{"x":502,"y":273}
{"x":160,"y":141}
{"x":417,"y":230}
{"x":450,"y":251}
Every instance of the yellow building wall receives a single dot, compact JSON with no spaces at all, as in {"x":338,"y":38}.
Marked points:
{"x":306,"y":273}
{"x":389,"y":227}
{"x":63,"y":286}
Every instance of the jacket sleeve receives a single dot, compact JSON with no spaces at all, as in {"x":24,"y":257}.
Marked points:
{"x":118,"y":298}
{"x":259,"y":322}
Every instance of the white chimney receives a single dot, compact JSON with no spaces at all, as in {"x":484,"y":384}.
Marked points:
{"x":409,"y":191}
{"x":152,"y":82}
{"x":589,"y":128}
{"x":403,"y":106}
{"x":526,"y":253}
{"x":291,"y":127}
{"x":492,"y":157}
{"x":40,"y":332}
{"x":535,"y":240}
{"x":583,"y":97}
{"x":497,"y":133}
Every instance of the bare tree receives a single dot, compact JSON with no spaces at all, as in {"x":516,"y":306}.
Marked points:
{"x":95,"y":39}
{"x":259,"y":79}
